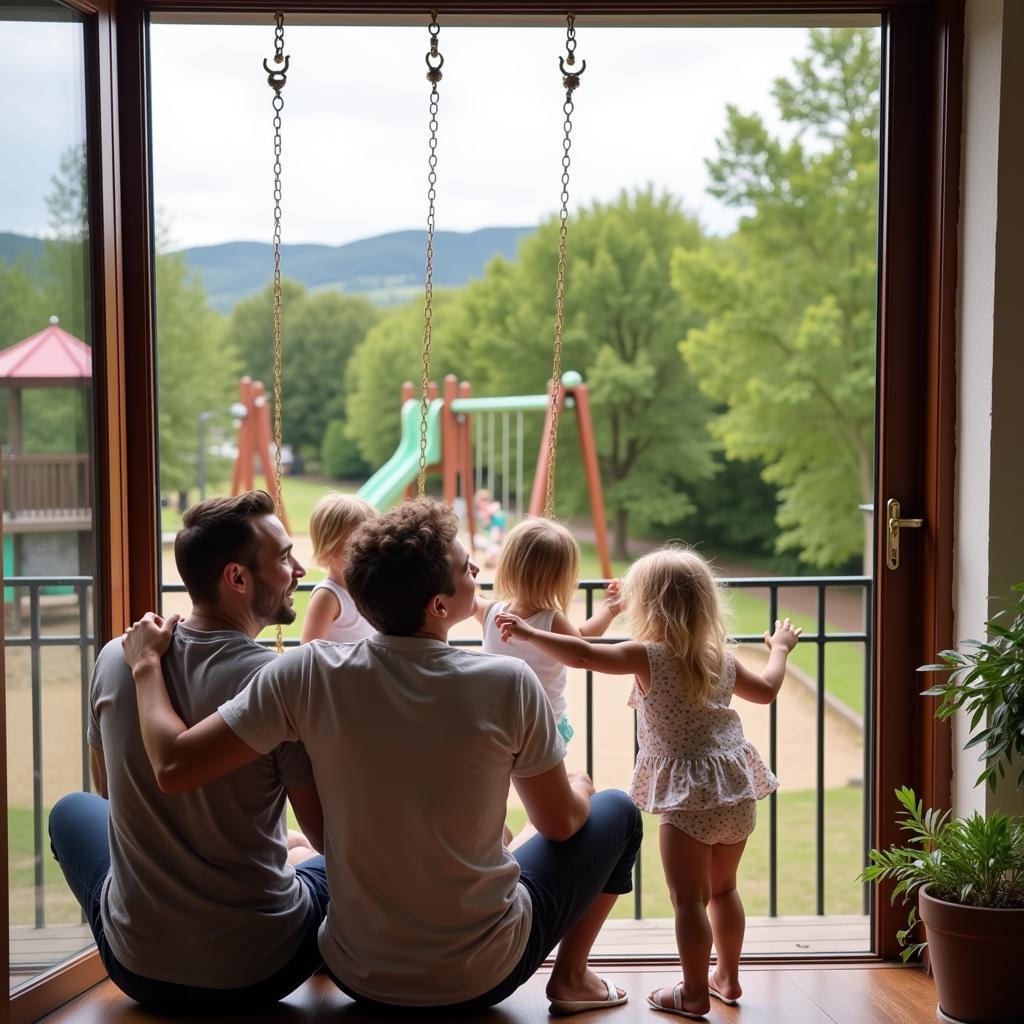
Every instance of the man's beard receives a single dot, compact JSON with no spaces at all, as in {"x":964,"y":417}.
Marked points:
{"x":270,"y":607}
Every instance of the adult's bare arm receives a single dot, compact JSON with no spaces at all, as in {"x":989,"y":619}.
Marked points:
{"x":182,"y":758}
{"x":558,"y":804}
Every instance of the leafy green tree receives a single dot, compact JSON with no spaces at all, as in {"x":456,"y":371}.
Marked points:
{"x":323,"y":332}
{"x":65,"y":262}
{"x":250,"y":329}
{"x":622,"y":325}
{"x":390,"y":354}
{"x":789,"y":340}
{"x":197,"y":372}
{"x":24,"y":309}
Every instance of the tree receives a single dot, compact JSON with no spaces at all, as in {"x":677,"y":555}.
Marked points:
{"x":23,"y":306}
{"x":789,"y":342}
{"x":250,"y":329}
{"x":65,"y":262}
{"x":197,"y":371}
{"x":390,"y":354}
{"x":622,"y":324}
{"x":324,"y":330}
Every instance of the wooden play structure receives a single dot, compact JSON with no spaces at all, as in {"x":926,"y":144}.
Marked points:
{"x":255,"y":443}
{"x":466,"y":461}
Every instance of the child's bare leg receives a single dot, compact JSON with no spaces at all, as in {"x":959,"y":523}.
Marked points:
{"x":299,"y":847}
{"x":687,"y":864}
{"x":570,"y":976}
{"x":728,"y":919}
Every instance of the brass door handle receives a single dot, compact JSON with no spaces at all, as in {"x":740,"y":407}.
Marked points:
{"x":892,"y":534}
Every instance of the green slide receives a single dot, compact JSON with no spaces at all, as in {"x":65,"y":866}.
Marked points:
{"x":386,"y":486}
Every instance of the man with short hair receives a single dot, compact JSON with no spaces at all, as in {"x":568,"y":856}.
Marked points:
{"x":421,"y":741}
{"x":191,"y":898}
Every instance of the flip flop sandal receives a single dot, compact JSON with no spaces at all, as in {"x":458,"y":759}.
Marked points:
{"x":564,"y":1007}
{"x":677,"y":1004}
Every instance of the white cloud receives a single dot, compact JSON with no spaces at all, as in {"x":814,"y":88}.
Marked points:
{"x":650,"y":106}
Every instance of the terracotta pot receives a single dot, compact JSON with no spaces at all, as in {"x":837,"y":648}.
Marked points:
{"x":976,"y":956}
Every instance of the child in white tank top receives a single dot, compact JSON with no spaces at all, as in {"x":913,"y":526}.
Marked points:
{"x":536,"y":577}
{"x":693,"y":767}
{"x":332,"y":614}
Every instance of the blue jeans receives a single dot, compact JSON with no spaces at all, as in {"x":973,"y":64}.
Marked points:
{"x":563,"y":880}
{"x":78,"y":838}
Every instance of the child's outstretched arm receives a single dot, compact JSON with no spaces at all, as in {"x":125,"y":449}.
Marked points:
{"x":598,"y":623}
{"x":763,"y":688}
{"x":626,"y":658}
{"x":323,"y":609}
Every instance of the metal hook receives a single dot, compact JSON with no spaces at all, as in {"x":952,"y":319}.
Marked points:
{"x":276,"y":77}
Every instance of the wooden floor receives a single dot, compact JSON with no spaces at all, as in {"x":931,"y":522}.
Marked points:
{"x":772,"y":995}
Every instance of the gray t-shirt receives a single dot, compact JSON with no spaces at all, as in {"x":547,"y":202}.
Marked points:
{"x":413,"y":744}
{"x":199,"y":891}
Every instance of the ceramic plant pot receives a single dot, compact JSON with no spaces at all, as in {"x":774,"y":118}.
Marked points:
{"x":976,"y":957}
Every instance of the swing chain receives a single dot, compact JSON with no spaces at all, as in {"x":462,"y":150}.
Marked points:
{"x":571,"y":81}
{"x":277,"y":80}
{"x":434,"y":61}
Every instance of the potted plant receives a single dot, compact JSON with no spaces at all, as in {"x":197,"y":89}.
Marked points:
{"x":968,"y":873}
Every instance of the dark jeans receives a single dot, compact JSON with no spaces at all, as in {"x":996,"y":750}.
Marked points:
{"x":563,"y":880}
{"x":78,"y":838}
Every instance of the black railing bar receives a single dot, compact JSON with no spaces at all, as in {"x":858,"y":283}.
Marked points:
{"x":807,"y":638}
{"x":820,"y":769}
{"x":773,"y":804}
{"x":63,"y":640}
{"x":590,"y":697}
{"x":869,"y":747}
{"x":83,"y":670}
{"x":730,"y":582}
{"x":35,"y":623}
{"x":30,"y":582}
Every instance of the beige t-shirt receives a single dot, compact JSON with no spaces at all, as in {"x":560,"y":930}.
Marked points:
{"x":413,"y":744}
{"x":199,"y":890}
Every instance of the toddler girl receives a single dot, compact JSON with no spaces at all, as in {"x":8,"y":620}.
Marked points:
{"x":537,"y":573}
{"x":694,"y":766}
{"x":332,"y":614}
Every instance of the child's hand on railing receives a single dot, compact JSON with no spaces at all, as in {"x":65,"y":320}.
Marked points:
{"x":613,"y":596}
{"x":785,"y":636}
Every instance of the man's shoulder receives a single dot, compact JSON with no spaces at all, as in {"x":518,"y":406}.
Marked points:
{"x":495,"y":667}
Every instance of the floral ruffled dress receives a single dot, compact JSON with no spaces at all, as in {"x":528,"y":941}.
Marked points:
{"x":692,"y":756}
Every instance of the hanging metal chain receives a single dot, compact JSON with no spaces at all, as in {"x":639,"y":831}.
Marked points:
{"x":571,"y":80}
{"x":276,"y":77}
{"x":434,"y":63}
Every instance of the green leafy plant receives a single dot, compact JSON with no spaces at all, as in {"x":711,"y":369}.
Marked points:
{"x":976,"y":861}
{"x":987,"y":680}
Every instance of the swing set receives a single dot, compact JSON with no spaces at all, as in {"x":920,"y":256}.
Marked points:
{"x":442,"y":434}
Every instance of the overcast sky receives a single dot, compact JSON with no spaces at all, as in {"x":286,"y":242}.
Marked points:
{"x":649,"y":109}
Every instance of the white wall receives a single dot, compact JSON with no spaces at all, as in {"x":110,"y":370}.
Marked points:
{"x":989,"y":542}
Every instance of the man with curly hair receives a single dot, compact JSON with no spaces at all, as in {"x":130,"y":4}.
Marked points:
{"x":414,"y":744}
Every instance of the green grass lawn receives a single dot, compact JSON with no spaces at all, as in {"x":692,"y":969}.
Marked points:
{"x":300,"y":494}
{"x":796,"y":871}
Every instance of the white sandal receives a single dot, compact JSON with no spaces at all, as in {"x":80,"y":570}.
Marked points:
{"x":564,"y":1007}
{"x":677,"y":1003}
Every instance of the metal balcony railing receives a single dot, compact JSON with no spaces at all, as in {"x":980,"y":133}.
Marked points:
{"x":36,"y":639}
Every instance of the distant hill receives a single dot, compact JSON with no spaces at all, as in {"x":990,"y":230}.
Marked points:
{"x":387,"y":268}
{"x":14,"y":247}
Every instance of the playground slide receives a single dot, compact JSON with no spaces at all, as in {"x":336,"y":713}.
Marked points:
{"x":386,"y":487}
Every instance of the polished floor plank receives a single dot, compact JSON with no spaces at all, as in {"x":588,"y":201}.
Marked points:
{"x":772,"y":995}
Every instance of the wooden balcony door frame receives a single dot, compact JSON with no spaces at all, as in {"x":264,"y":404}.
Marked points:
{"x":915,"y":381}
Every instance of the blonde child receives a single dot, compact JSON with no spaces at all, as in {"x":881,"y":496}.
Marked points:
{"x":332,"y":614}
{"x":694,"y":766}
{"x":536,"y":575}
